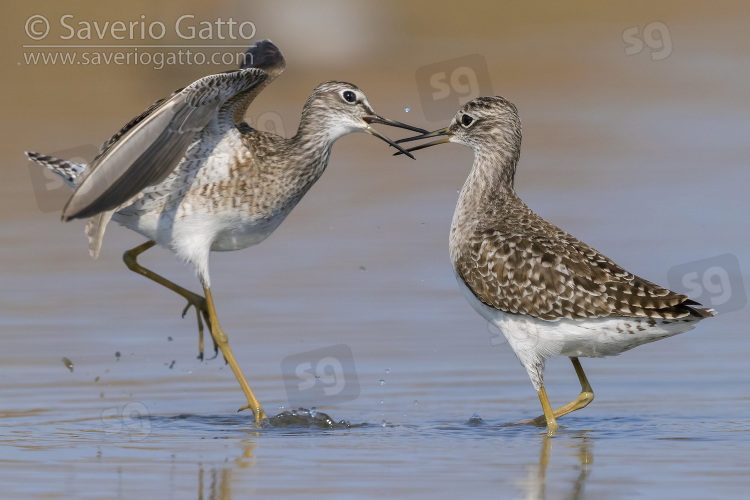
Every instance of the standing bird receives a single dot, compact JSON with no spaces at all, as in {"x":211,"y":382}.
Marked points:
{"x":549,"y":293}
{"x":190,"y":175}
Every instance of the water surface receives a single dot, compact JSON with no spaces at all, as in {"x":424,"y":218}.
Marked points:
{"x":645,"y":160}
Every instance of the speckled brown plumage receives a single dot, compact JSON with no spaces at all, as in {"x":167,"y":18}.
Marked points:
{"x":516,"y":262}
{"x":547,"y":292}
{"x":190,"y":175}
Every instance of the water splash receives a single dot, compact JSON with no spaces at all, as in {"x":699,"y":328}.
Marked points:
{"x":307,"y":418}
{"x":475,"y":420}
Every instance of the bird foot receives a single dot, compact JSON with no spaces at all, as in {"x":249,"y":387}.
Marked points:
{"x":540,"y":421}
{"x":201,"y":313}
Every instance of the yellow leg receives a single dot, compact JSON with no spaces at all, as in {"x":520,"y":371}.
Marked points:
{"x":130,"y":257}
{"x":549,"y":416}
{"x":584,"y":398}
{"x":220,"y":338}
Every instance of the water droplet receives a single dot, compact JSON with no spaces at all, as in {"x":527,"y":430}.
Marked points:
{"x":383,"y":423}
{"x":387,"y":370}
{"x":407,"y":109}
{"x":313,"y":412}
{"x":422,"y":224}
{"x":416,"y":402}
{"x":117,"y":355}
{"x":382,"y":382}
{"x":169,"y":339}
{"x":381,"y":401}
{"x":68,"y":364}
{"x":362,"y":268}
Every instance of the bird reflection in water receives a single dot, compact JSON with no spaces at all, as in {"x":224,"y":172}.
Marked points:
{"x":534,"y":485}
{"x":215,"y":483}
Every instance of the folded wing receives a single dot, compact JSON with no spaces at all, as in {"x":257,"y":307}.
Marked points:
{"x":554,"y":276}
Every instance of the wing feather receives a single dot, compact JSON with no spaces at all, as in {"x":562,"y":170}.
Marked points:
{"x":149,"y":150}
{"x":525,"y":265}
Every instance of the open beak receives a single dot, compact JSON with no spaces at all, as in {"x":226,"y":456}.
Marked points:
{"x":437,"y":133}
{"x":368,"y":119}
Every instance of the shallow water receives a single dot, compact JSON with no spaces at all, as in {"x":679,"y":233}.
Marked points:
{"x":670,"y":418}
{"x":645,"y":160}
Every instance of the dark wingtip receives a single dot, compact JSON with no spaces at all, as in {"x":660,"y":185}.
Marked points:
{"x":701,"y":312}
{"x":264,"y":55}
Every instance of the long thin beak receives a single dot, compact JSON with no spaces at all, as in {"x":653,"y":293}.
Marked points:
{"x":437,"y":133}
{"x":393,"y":123}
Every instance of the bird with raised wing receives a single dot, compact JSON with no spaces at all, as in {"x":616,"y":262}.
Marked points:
{"x":549,"y":293}
{"x":191,"y":176}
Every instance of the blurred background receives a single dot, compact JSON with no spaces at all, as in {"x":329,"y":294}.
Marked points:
{"x":636,"y":122}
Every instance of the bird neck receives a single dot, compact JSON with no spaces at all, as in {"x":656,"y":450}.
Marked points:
{"x":312,"y":149}
{"x":493,"y":174}
{"x":489,"y":184}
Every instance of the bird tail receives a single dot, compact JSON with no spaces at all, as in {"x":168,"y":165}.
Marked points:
{"x":698,"y":312}
{"x":702,"y":312}
{"x":68,"y":170}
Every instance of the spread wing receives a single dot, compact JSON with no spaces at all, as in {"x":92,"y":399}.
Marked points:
{"x":150,"y":146}
{"x":551,"y":275}
{"x":263,"y":55}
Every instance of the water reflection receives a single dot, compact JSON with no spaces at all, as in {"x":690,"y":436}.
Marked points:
{"x":534,"y":486}
{"x":215,"y":483}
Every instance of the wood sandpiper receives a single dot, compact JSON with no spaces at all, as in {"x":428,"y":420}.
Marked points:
{"x":190,"y":175}
{"x":549,"y":293}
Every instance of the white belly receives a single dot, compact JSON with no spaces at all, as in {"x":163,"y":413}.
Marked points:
{"x":534,"y":340}
{"x":236,"y":235}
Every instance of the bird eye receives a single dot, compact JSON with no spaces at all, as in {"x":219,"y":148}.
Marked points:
{"x":466,"y":120}
{"x":350,"y":96}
